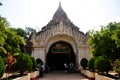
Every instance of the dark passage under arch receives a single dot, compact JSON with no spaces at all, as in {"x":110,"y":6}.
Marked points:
{"x":59,"y":53}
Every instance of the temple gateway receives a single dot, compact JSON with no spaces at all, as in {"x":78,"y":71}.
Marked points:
{"x":60,"y":41}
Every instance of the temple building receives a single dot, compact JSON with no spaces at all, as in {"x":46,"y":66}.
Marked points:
{"x":60,"y":41}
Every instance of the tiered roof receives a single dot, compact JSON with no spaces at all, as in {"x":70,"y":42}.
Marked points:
{"x":60,"y":15}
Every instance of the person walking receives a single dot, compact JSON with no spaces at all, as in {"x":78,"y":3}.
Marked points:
{"x":66,"y":67}
{"x":40,"y":70}
{"x":71,"y":67}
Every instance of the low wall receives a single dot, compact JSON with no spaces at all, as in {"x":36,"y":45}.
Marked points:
{"x":26,"y":77}
{"x":90,"y":75}
{"x":100,"y":77}
{"x":34,"y":75}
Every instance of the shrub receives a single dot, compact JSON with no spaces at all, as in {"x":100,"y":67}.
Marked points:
{"x":34,"y":64}
{"x":84,"y":63}
{"x":91,"y":64}
{"x":24,"y":63}
{"x":2,"y":67}
{"x":39,"y":61}
{"x":102,"y":64}
{"x":117,"y":66}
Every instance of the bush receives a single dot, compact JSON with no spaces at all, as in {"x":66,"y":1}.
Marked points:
{"x":34,"y":64}
{"x":117,"y":66}
{"x":102,"y":64}
{"x":91,"y":64}
{"x":2,"y":67}
{"x":39,"y":61}
{"x":24,"y":63}
{"x":84,"y":63}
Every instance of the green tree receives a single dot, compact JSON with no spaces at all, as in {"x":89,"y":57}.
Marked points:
{"x":9,"y":40}
{"x":29,"y":31}
{"x":26,"y":34}
{"x":117,"y":66}
{"x":102,"y":64}
{"x":24,"y":63}
{"x":116,"y":35}
{"x":106,"y":41}
{"x":91,"y":64}
{"x":39,"y":61}
{"x":3,"y":26}
{"x":14,"y":42}
{"x":2,"y":67}
{"x":84,"y":63}
{"x":20,"y":32}
{"x":34,"y":64}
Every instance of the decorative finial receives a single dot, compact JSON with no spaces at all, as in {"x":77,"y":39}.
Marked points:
{"x":59,"y":4}
{"x":60,"y":14}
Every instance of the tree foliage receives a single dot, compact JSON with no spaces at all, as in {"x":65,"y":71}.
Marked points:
{"x":14,"y":43}
{"x":39,"y":61}
{"x":102,"y":64}
{"x":26,"y":34}
{"x":23,"y":63}
{"x":9,"y":40}
{"x":84,"y":63}
{"x":117,"y":66}
{"x":20,"y":32}
{"x":3,"y":26}
{"x":29,"y":31}
{"x":106,"y":41}
{"x":34,"y":64}
{"x":2,"y":67}
{"x":91,"y":64}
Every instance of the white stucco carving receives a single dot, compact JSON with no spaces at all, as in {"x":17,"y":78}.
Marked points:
{"x":60,"y":28}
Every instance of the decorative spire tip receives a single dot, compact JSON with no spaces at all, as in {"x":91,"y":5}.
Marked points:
{"x":59,"y":3}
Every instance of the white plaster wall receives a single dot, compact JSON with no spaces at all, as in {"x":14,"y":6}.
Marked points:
{"x":39,"y":53}
{"x":84,"y":52}
{"x":35,"y":53}
{"x":80,"y":56}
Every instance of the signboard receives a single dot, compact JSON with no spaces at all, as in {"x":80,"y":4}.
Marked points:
{"x":60,"y":48}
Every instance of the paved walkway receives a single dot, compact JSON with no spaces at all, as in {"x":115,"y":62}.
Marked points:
{"x":60,"y":75}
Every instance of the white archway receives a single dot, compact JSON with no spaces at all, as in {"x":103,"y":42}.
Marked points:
{"x":64,"y":38}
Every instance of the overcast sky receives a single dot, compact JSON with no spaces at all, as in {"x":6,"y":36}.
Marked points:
{"x":86,"y":14}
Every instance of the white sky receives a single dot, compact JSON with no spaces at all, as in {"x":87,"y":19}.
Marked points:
{"x":86,"y":14}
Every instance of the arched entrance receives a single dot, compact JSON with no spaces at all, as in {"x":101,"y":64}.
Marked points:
{"x":59,"y":53}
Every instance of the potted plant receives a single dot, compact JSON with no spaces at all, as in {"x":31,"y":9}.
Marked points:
{"x":2,"y":67}
{"x":23,"y":63}
{"x":117,"y":67}
{"x":91,"y":64}
{"x":102,"y":64}
{"x":91,"y":68}
{"x":33,"y":73}
{"x":84,"y":63}
{"x":38,"y":60}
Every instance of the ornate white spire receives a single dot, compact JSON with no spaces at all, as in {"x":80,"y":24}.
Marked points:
{"x":60,"y":14}
{"x":60,"y":5}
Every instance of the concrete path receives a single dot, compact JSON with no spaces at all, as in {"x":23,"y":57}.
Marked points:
{"x":60,"y":75}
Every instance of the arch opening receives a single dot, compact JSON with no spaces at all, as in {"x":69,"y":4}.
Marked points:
{"x":59,"y":53}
